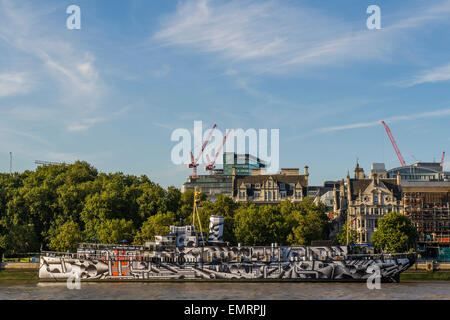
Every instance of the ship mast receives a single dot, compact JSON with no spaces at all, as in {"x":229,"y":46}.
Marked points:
{"x":195,"y":212}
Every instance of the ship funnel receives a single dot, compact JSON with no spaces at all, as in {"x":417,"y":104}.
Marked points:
{"x":215,"y":228}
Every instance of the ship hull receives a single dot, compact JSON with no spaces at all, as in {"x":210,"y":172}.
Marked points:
{"x":222,"y":264}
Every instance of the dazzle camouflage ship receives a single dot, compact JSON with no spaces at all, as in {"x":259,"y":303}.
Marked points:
{"x":186,"y":255}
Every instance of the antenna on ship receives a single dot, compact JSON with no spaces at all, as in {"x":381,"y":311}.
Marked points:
{"x":195,"y":212}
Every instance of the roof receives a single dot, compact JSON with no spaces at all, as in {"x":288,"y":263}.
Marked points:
{"x":427,"y":184}
{"x":357,"y":185}
{"x":288,"y":179}
{"x":302,"y":179}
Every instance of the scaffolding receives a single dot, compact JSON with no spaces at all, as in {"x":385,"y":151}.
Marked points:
{"x":430,"y":214}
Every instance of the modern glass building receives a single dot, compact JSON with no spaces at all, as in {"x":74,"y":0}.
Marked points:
{"x":420,"y":171}
{"x":220,"y":181}
{"x":243,"y":163}
{"x":211,"y":185}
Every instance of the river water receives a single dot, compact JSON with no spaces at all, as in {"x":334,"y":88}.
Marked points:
{"x":436,"y":290}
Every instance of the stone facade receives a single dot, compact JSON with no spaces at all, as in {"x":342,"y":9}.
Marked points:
{"x":364,"y":200}
{"x":264,"y":188}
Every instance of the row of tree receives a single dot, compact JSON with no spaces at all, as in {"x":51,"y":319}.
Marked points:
{"x":57,"y":206}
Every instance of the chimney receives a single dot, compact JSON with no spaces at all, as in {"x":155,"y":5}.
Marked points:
{"x":306,"y":171}
{"x":289,"y":171}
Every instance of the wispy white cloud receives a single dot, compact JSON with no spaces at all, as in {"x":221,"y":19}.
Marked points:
{"x":24,"y":112}
{"x":438,"y":74}
{"x":271,"y":36}
{"x":76,"y":87}
{"x":23,"y":134}
{"x":437,"y":113}
{"x":12,"y":84}
{"x":87,"y":123}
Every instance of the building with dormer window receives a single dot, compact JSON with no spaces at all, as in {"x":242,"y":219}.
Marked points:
{"x":364,"y":200}
{"x":263,"y":188}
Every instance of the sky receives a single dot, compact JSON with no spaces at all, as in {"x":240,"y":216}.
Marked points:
{"x":112,"y":92}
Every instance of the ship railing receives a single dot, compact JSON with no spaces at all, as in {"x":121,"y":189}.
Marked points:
{"x":379,"y":256}
{"x":90,"y":255}
{"x":95,"y":246}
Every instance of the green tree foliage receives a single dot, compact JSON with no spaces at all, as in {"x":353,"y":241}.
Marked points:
{"x":57,"y":206}
{"x":155,"y":225}
{"x":44,"y":206}
{"x":309,"y":222}
{"x":66,"y":237}
{"x":115,"y":231}
{"x":260,"y":225}
{"x":341,"y":237}
{"x":395,"y":234}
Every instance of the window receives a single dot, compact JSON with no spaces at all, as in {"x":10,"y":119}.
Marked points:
{"x":270,"y":195}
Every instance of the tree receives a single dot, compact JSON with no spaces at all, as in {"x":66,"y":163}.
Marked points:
{"x":115,"y":230}
{"x":173,"y":199}
{"x":153,"y":200}
{"x":308,"y":227}
{"x":260,"y":225}
{"x":341,"y":236}
{"x":67,"y":237}
{"x":155,"y":225}
{"x":395,"y":234}
{"x":19,"y":239}
{"x":307,"y":221}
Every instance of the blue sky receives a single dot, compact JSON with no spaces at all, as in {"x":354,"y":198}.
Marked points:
{"x":113,"y":92}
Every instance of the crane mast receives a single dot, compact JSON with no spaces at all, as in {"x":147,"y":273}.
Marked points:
{"x":210,"y":165}
{"x":394,"y":144}
{"x":194,"y":162}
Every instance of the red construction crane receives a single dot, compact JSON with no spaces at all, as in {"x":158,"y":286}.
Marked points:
{"x":399,"y":155}
{"x":194,"y":162}
{"x":442,"y":159}
{"x":210,"y":165}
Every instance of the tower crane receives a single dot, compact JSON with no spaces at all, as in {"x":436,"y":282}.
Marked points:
{"x":394,"y":144}
{"x":194,"y":162}
{"x":210,"y":165}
